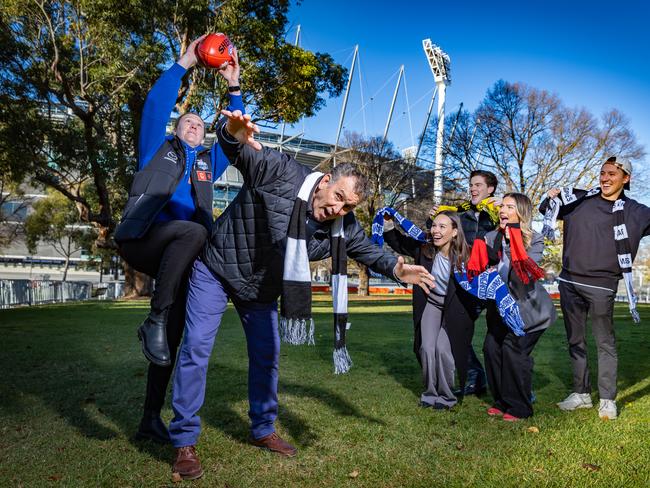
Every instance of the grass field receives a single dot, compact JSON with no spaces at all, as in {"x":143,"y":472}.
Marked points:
{"x":73,"y":384}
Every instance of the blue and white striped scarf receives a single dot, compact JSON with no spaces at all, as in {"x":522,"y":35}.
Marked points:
{"x":488,"y":285}
{"x":409,"y":227}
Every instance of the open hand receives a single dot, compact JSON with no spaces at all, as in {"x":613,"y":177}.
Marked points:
{"x":415,"y":275}
{"x":496,"y":201}
{"x":241,"y":128}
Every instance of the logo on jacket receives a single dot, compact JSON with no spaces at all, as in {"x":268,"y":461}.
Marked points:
{"x":201,"y":164}
{"x":204,"y":176}
{"x":171,"y":156}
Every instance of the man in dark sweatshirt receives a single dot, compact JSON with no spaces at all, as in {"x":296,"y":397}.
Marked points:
{"x":602,"y":232}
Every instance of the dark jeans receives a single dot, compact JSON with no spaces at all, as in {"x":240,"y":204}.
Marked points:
{"x":166,"y":253}
{"x":509,"y":368}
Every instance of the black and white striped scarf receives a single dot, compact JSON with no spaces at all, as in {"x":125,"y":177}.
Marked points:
{"x":296,"y":322}
{"x":567,"y":196}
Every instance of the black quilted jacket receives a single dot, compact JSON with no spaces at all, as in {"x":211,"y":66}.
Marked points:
{"x":246,"y":247}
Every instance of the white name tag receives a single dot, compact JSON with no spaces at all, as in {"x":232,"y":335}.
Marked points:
{"x":620,"y":232}
{"x":618,"y":205}
{"x":625,"y":260}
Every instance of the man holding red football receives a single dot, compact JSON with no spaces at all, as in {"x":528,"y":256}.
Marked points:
{"x":167,"y":218}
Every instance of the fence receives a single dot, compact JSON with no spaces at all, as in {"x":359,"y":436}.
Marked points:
{"x":38,"y":292}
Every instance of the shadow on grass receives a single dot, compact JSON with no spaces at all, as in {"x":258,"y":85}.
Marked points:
{"x":84,"y":363}
{"x":227,"y":389}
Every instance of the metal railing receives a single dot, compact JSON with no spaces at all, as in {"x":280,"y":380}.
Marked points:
{"x":37,"y":292}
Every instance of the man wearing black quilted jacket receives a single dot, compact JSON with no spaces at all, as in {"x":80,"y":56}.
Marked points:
{"x":244,"y":261}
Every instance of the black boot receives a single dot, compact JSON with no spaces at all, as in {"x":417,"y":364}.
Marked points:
{"x":152,"y":428}
{"x":476,"y":383}
{"x":153,"y":335}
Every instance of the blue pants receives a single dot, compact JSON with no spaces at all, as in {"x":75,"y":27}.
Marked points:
{"x":206,"y":303}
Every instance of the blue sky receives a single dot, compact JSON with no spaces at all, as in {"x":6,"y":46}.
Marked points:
{"x":591,"y":54}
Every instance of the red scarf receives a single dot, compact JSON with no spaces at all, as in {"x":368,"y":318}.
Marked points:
{"x":527,"y":270}
{"x":478,"y":260}
{"x":524,"y":266}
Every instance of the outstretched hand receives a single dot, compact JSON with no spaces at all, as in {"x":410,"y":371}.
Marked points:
{"x":415,"y":275}
{"x":231,"y":71}
{"x":189,"y":59}
{"x":241,"y":128}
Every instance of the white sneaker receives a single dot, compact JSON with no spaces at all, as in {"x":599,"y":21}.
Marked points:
{"x":576,"y":400}
{"x":607,"y":409}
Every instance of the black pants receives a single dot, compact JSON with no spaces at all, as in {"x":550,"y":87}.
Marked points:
{"x":166,"y":253}
{"x":509,"y":368}
{"x":577,"y":303}
{"x":475,"y":371}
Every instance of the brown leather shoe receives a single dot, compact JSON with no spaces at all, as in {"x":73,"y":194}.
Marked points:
{"x":187,"y":464}
{"x":273,"y":442}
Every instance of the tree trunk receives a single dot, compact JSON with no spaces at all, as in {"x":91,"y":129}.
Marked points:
{"x":65,"y":268}
{"x":364,"y":281}
{"x":136,"y":284}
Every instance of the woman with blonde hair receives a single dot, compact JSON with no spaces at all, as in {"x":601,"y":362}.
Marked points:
{"x":515,"y":249}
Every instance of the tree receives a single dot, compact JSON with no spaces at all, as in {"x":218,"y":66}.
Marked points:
{"x":394,"y":181}
{"x":13,"y":208}
{"x":74,"y":75}
{"x":532,"y":141}
{"x":55,"y":221}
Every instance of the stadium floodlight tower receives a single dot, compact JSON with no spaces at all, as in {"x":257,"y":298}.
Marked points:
{"x":441,"y":68}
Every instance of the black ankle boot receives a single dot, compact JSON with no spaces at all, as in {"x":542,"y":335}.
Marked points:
{"x":152,"y":428}
{"x":153,"y":335}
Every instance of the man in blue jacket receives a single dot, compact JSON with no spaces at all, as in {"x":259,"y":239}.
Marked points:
{"x":166,"y":221}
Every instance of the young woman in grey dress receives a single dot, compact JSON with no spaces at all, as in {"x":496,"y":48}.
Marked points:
{"x":444,"y":318}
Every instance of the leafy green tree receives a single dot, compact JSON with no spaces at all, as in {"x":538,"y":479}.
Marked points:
{"x":55,"y":221}
{"x":74,"y":75}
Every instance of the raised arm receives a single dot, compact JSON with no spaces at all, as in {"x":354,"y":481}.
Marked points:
{"x":231,"y":74}
{"x":361,"y":249}
{"x":160,"y":103}
{"x":400,"y":243}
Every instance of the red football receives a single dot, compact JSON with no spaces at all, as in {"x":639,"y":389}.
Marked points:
{"x":215,"y":51}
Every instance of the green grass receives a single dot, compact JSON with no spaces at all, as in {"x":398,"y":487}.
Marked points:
{"x":73,"y":384}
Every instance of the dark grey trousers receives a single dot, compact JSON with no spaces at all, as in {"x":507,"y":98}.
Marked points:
{"x":578,"y":303}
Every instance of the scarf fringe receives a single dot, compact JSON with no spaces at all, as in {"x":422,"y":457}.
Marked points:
{"x":527,"y":270}
{"x":631,"y":297}
{"x":342,"y":360}
{"x":296,"y":331}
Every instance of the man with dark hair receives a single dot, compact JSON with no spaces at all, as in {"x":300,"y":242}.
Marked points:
{"x":602,"y":232}
{"x":284,"y":216}
{"x":477,"y":222}
{"x":478,"y":216}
